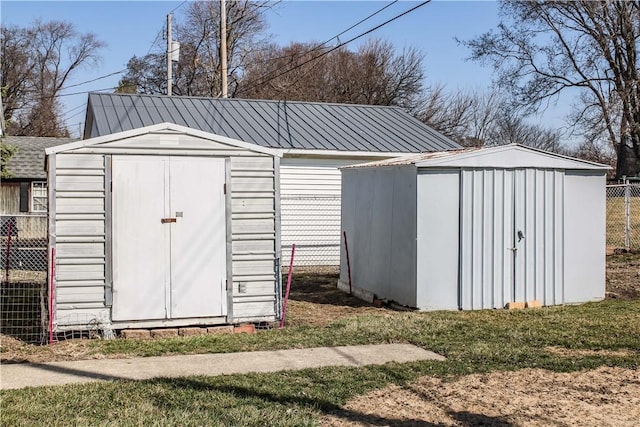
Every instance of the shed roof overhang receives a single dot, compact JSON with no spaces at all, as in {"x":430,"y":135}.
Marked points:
{"x":159,"y":128}
{"x":502,"y":157}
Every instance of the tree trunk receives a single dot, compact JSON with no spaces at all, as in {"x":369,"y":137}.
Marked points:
{"x":628,"y":163}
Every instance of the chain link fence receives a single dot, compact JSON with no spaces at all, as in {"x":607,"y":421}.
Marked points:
{"x":313,"y":224}
{"x":623,"y":216}
{"x":23,"y":286}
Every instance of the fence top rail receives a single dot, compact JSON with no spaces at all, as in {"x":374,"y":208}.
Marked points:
{"x":22,"y":215}
{"x":623,"y":185}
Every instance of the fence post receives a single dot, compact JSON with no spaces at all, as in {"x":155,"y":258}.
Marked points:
{"x":627,"y":215}
{"x":8,"y":252}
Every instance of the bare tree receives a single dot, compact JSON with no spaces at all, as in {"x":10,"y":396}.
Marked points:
{"x":465,"y":116}
{"x":36,"y":64}
{"x":549,"y":47}
{"x":375,"y":74}
{"x":475,"y":118}
{"x":197,"y":72}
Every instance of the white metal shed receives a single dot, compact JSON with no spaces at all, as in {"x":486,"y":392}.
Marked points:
{"x":163,"y":226}
{"x":476,"y":228}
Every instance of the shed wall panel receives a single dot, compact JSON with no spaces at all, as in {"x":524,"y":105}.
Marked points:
{"x":253,"y":220}
{"x":80,"y":234}
{"x":585,"y":234}
{"x":437,"y":239}
{"x":382,"y":240}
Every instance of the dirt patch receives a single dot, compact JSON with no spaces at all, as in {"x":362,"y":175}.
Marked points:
{"x":532,"y":397}
{"x":16,"y":351}
{"x":623,"y":276}
{"x":315,"y":300}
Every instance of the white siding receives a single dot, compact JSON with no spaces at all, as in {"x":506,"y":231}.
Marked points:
{"x":310,"y":209}
{"x":81,"y":226}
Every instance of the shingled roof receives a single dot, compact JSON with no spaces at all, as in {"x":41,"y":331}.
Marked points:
{"x":28,"y":160}
{"x":273,"y":124}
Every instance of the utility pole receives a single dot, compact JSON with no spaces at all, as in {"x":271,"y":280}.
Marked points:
{"x":223,"y":47}
{"x":1,"y":117}
{"x":169,"y":61}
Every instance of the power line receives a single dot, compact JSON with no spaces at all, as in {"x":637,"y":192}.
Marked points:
{"x":337,"y":46}
{"x":97,"y":78}
{"x":360,"y":22}
{"x":178,"y":6}
{"x":71,"y":110}
{"x":337,"y":36}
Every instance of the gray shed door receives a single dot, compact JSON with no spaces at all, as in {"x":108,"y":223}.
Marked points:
{"x":169,"y":237}
{"x":511,"y":231}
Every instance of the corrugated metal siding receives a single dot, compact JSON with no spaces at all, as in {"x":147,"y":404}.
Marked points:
{"x":80,"y":227}
{"x":276,"y":124}
{"x":539,"y":214}
{"x":495,"y":205}
{"x":80,"y":240}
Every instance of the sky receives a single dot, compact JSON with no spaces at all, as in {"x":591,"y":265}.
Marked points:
{"x":130,"y":27}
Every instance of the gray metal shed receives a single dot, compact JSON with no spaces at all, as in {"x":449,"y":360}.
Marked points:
{"x":163,"y":226}
{"x":476,"y":228}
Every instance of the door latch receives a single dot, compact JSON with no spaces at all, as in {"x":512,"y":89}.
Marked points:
{"x":520,"y":235}
{"x":168,"y":220}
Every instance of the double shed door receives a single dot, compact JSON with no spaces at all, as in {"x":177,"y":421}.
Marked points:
{"x":511,"y":237}
{"x":169,"y":237}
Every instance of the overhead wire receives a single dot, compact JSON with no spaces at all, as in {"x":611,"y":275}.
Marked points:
{"x":321,"y":45}
{"x":326,"y":52}
{"x":267,"y":77}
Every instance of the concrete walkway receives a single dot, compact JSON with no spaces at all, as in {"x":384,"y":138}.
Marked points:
{"x":14,"y":376}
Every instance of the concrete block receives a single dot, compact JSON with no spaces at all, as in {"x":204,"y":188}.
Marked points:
{"x":536,"y":303}
{"x":190,"y":332}
{"x":224,"y":329}
{"x":135,"y":334}
{"x":515,"y":305}
{"x":164,"y":333}
{"x":248,"y":328}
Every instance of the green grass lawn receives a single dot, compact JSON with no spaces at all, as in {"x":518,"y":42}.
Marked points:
{"x":616,"y":222}
{"x":473,"y":342}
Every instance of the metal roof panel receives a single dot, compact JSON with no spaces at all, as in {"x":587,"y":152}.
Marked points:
{"x":275,"y":124}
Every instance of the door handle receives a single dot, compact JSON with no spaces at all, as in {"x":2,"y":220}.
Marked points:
{"x":512,"y":249}
{"x":168,"y":220}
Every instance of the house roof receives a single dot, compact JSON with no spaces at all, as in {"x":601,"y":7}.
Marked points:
{"x":501,"y":156}
{"x":273,"y":124}
{"x":28,"y":160}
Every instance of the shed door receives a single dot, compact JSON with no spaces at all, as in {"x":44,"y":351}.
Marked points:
{"x":511,"y":245}
{"x":539,"y":236}
{"x":175,"y":269}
